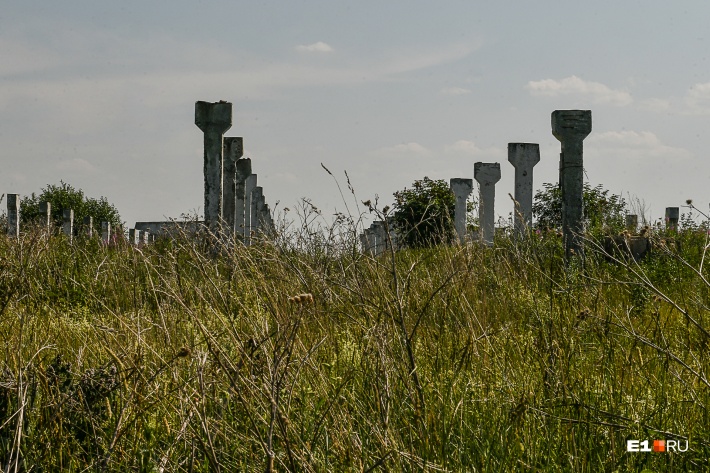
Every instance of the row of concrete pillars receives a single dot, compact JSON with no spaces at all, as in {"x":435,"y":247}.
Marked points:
{"x":233,"y":201}
{"x":69,"y":226}
{"x":570,"y":127}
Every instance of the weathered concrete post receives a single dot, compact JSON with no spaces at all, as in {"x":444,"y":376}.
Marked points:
{"x":132,"y":236}
{"x":143,"y":237}
{"x":105,"y":232}
{"x":524,"y":157}
{"x":672,"y":217}
{"x":233,"y":150}
{"x":45,"y":209}
{"x":13,"y":215}
{"x":370,"y":241}
{"x":632,"y":222}
{"x":571,"y":127}
{"x":256,"y":195}
{"x":461,"y":188}
{"x":68,"y":223}
{"x":88,"y":224}
{"x":243,"y":167}
{"x":213,"y":119}
{"x":380,"y":237}
{"x":487,"y":174}
{"x":249,"y":186}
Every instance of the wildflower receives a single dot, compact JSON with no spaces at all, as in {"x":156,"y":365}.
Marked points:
{"x":689,"y":201}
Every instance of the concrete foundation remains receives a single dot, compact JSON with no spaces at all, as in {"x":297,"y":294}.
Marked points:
{"x":570,"y":127}
{"x":461,"y":188}
{"x":214,"y":119}
{"x":524,"y":157}
{"x":487,"y":175}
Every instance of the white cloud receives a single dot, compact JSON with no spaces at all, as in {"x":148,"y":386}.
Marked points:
{"x":403,"y":149}
{"x":471,"y":148}
{"x":454,"y":91}
{"x":632,"y":145}
{"x":76,"y":165}
{"x":319,"y":47}
{"x":596,"y":92}
{"x":697,"y":99}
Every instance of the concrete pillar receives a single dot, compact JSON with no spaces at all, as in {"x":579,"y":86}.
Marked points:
{"x":263,"y":212}
{"x":213,"y":119}
{"x":68,"y":223}
{"x":45,"y":210}
{"x":370,"y":241}
{"x":233,"y":150}
{"x":672,"y":217}
{"x":256,"y":195}
{"x":381,"y":244}
{"x":105,"y":232}
{"x":523,"y":157}
{"x":632,"y":223}
{"x":243,"y":168}
{"x":132,"y":236}
{"x":268,"y":222}
{"x":570,"y":127}
{"x":13,"y":215}
{"x":461,"y":188}
{"x":143,"y":237}
{"x":487,"y":174}
{"x":88,"y":224}
{"x":249,"y":186}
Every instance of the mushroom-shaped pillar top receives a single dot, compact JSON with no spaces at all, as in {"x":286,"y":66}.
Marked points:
{"x":575,"y":124}
{"x":215,"y":116}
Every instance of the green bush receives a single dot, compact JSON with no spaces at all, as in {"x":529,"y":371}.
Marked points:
{"x":64,"y":196}
{"x":424,"y":214}
{"x":602,"y":212}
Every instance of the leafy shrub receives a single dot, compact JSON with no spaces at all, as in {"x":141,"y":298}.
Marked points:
{"x":424,"y":214}
{"x":602,"y":212}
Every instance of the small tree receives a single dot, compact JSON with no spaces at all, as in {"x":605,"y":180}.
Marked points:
{"x":601,"y":210}
{"x":64,"y":197}
{"x":423,"y":215}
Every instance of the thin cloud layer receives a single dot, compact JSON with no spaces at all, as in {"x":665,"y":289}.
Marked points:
{"x":637,"y":145}
{"x":596,"y":92}
{"x":454,"y":91}
{"x":319,"y":47}
{"x":471,"y":148}
{"x":403,"y":149}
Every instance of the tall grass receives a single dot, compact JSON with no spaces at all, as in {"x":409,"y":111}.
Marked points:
{"x":173,"y":357}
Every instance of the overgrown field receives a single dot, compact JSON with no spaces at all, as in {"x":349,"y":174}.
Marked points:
{"x":174,"y":357}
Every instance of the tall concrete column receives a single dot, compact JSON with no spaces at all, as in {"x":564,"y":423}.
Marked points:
{"x":487,"y":174}
{"x":13,"y":215}
{"x":249,"y":186}
{"x":243,"y":168}
{"x":88,"y":225}
{"x":380,"y":237}
{"x":68,"y":223}
{"x":233,"y":150}
{"x":105,"y":232}
{"x":523,"y":157}
{"x":461,"y":188}
{"x":672,"y":217}
{"x":256,"y":195}
{"x":213,"y":119}
{"x":370,"y":241}
{"x":132,"y":236}
{"x":570,"y":127}
{"x":45,"y":210}
{"x":632,"y":222}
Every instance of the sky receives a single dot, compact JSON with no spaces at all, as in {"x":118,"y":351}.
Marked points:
{"x":101,"y":95}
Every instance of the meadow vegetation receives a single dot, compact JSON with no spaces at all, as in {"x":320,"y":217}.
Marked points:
{"x":179,"y":357}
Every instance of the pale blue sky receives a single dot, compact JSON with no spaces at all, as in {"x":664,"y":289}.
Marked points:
{"x":101,"y":95}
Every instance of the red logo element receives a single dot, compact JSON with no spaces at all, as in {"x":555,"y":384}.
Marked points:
{"x":659,"y":445}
